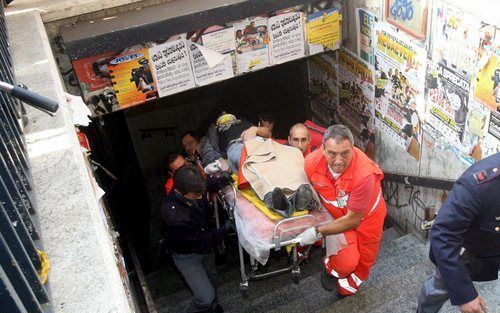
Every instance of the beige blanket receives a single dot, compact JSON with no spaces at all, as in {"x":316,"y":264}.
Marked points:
{"x":270,"y":164}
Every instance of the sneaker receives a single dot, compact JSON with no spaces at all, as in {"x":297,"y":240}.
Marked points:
{"x":303,"y":198}
{"x":281,"y":204}
{"x":328,"y":282}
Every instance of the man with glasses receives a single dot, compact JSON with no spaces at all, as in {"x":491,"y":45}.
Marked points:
{"x":348,"y":183}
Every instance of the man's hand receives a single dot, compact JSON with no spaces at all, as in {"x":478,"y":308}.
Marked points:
{"x":308,"y":237}
{"x":249,"y":133}
{"x":225,"y":179}
{"x":477,"y":305}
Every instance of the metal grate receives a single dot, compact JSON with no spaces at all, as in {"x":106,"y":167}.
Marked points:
{"x":20,"y":286}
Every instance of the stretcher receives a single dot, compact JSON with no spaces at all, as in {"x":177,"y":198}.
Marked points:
{"x":259,"y":230}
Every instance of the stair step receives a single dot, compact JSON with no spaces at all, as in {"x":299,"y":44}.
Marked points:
{"x":397,"y":294}
{"x":273,"y":292}
{"x":407,"y":252}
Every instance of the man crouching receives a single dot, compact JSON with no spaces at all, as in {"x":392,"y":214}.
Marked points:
{"x":348,"y":183}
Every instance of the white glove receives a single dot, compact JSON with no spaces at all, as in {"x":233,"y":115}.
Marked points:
{"x":213,"y":167}
{"x":308,"y":237}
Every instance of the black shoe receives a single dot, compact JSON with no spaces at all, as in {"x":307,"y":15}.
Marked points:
{"x":281,"y":205}
{"x":303,"y":198}
{"x":328,"y":282}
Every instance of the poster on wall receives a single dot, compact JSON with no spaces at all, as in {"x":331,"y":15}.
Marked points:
{"x":482,"y":133}
{"x":408,"y":15}
{"x":491,"y":143}
{"x":252,"y":44}
{"x":365,"y":28}
{"x":132,"y":78}
{"x":172,"y":67}
{"x":323,"y":84}
{"x":95,"y":82}
{"x":356,"y":99}
{"x":399,"y":89}
{"x":487,"y":88}
{"x":286,"y":34}
{"x":455,"y":38}
{"x":447,"y":104}
{"x":212,"y":57}
{"x":222,"y":41}
{"x":323,"y":30}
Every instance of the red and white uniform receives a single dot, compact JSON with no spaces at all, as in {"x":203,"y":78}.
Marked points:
{"x":357,"y":189}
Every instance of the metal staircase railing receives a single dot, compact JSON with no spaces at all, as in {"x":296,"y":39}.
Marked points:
{"x":22,"y":262}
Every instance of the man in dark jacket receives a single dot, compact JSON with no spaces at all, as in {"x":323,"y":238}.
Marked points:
{"x":469,"y":218}
{"x":192,"y":237}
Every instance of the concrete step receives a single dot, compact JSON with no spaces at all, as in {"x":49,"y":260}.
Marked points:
{"x":404,"y":253}
{"x":229,"y":279}
{"x":396,"y":294}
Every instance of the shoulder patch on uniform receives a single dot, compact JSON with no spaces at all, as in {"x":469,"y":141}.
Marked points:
{"x":480,"y":176}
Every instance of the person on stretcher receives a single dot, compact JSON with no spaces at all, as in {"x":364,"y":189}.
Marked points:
{"x":276,"y":174}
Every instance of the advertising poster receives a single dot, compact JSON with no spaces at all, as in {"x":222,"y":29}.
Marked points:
{"x":222,"y":41}
{"x":455,"y":38}
{"x":252,"y":44}
{"x":132,"y":78}
{"x":323,"y":84}
{"x":491,"y":144}
{"x":399,"y":89}
{"x":447,"y":104}
{"x":286,"y":34}
{"x":365,"y":26}
{"x":323,"y":29}
{"x":482,"y":133}
{"x":487,"y":89}
{"x":409,"y":16}
{"x":95,"y":82}
{"x":356,"y":99}
{"x":172,"y":67}
{"x":212,"y":59}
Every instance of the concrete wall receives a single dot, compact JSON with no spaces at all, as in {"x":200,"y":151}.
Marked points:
{"x":406,"y":204}
{"x":85,"y":275}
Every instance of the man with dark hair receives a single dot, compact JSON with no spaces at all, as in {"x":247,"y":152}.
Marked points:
{"x":172,"y":161}
{"x":191,"y":146}
{"x":192,"y":236}
{"x":348,"y":183}
{"x":266,"y":119}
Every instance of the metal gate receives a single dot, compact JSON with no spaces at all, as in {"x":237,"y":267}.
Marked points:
{"x":21,"y":264}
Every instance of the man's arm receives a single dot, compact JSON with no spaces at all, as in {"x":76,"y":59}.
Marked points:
{"x":349,"y":221}
{"x":359,"y":200}
{"x":447,"y":234}
{"x":256,"y":131}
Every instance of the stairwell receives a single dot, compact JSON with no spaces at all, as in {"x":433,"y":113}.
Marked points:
{"x":393,"y":286}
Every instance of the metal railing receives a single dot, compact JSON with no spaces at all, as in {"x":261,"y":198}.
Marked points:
{"x":21,"y":289}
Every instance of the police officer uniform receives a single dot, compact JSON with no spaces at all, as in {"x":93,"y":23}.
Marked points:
{"x":469,"y":218}
{"x":192,"y":237}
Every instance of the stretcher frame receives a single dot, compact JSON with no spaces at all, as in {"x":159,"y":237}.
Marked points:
{"x":278,"y":244}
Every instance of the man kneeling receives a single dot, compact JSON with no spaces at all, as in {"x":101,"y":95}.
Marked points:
{"x":348,"y":183}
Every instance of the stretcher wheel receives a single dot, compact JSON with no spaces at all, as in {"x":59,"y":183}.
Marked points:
{"x":295,"y":278}
{"x":244,"y":290}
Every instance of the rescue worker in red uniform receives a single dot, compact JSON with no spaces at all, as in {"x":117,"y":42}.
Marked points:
{"x":348,"y":183}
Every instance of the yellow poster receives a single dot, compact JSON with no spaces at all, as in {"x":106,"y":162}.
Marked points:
{"x":132,"y":78}
{"x":323,"y":28}
{"x":487,"y":89}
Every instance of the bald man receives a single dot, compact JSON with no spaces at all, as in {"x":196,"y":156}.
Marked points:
{"x":300,"y":138}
